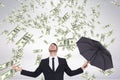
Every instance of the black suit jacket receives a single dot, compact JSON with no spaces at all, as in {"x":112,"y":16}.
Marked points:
{"x":49,"y":74}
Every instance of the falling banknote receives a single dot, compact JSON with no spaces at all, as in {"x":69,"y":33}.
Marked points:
{"x":17,"y":54}
{"x":107,"y":72}
{"x":24,"y":40}
{"x":7,"y":75}
{"x":67,"y":43}
{"x":68,"y":56}
{"x":8,"y":64}
{"x":2,"y":5}
{"x":38,"y":59}
{"x":13,"y":33}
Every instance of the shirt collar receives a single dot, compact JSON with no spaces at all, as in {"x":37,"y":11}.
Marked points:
{"x":53,"y":57}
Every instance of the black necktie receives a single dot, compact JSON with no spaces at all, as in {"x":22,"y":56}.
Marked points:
{"x":53,"y":66}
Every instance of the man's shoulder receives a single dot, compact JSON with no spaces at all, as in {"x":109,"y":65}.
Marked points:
{"x":61,"y":59}
{"x":45,"y":59}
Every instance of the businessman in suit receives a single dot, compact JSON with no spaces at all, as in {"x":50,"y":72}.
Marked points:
{"x":52,"y":67}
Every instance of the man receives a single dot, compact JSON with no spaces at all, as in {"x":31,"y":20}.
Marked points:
{"x":53,"y":67}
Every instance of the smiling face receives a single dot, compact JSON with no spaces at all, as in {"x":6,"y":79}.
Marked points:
{"x":53,"y":49}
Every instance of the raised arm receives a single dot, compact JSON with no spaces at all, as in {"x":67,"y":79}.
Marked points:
{"x":36,"y":73}
{"x":74,"y":72}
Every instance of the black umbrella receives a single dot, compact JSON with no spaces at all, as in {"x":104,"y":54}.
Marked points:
{"x":94,"y":52}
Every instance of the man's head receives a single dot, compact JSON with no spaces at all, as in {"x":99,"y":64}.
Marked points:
{"x":53,"y":49}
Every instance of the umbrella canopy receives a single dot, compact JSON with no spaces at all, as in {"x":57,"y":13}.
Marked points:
{"x":95,"y":52}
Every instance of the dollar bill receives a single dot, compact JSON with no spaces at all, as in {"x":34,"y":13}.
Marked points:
{"x":97,"y":35}
{"x":64,"y":18}
{"x":55,"y":11}
{"x":95,"y":13}
{"x":13,"y":33}
{"x":102,"y":38}
{"x":60,"y":43}
{"x":25,"y":7}
{"x":115,"y":2}
{"x":8,"y":74}
{"x":37,"y":51}
{"x":32,"y":6}
{"x":17,"y":54}
{"x":112,"y":40}
{"x":41,"y":36}
{"x":45,"y":41}
{"x":85,"y":75}
{"x":48,"y":28}
{"x":84,"y":33}
{"x":92,"y":32}
{"x":59,"y":31}
{"x":41,"y":21}
{"x":67,"y":43}
{"x":71,"y":3}
{"x":37,"y":25}
{"x":52,"y":4}
{"x":2,"y":5}
{"x":39,"y":57}
{"x":3,"y":66}
{"x":107,"y":72}
{"x":68,"y":56}
{"x":109,"y":33}
{"x":4,"y":32}
{"x":75,"y":26}
{"x":92,"y":77}
{"x":74,"y":2}
{"x":24,"y":40}
{"x":106,"y":26}
{"x":8,"y":64}
{"x":42,"y":3}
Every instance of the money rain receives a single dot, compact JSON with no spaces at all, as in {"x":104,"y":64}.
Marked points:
{"x":64,"y":20}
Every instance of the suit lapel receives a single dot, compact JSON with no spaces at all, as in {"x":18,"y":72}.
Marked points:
{"x":47,"y":62}
{"x":59,"y":64}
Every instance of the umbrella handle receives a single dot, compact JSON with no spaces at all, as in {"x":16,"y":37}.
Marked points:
{"x":86,"y":64}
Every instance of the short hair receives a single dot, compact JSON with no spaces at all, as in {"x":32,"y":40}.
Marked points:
{"x":55,"y":45}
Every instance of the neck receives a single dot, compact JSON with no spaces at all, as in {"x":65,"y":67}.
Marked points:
{"x":53,"y":55}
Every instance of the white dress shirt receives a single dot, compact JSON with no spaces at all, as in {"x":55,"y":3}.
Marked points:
{"x":56,"y":62}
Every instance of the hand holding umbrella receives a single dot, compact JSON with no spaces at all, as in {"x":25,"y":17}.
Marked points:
{"x":95,"y":52}
{"x":85,"y":65}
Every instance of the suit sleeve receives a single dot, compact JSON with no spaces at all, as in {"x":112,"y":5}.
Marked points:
{"x":72,"y":72}
{"x":36,"y":73}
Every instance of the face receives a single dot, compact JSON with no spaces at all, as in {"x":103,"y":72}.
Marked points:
{"x":53,"y":49}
